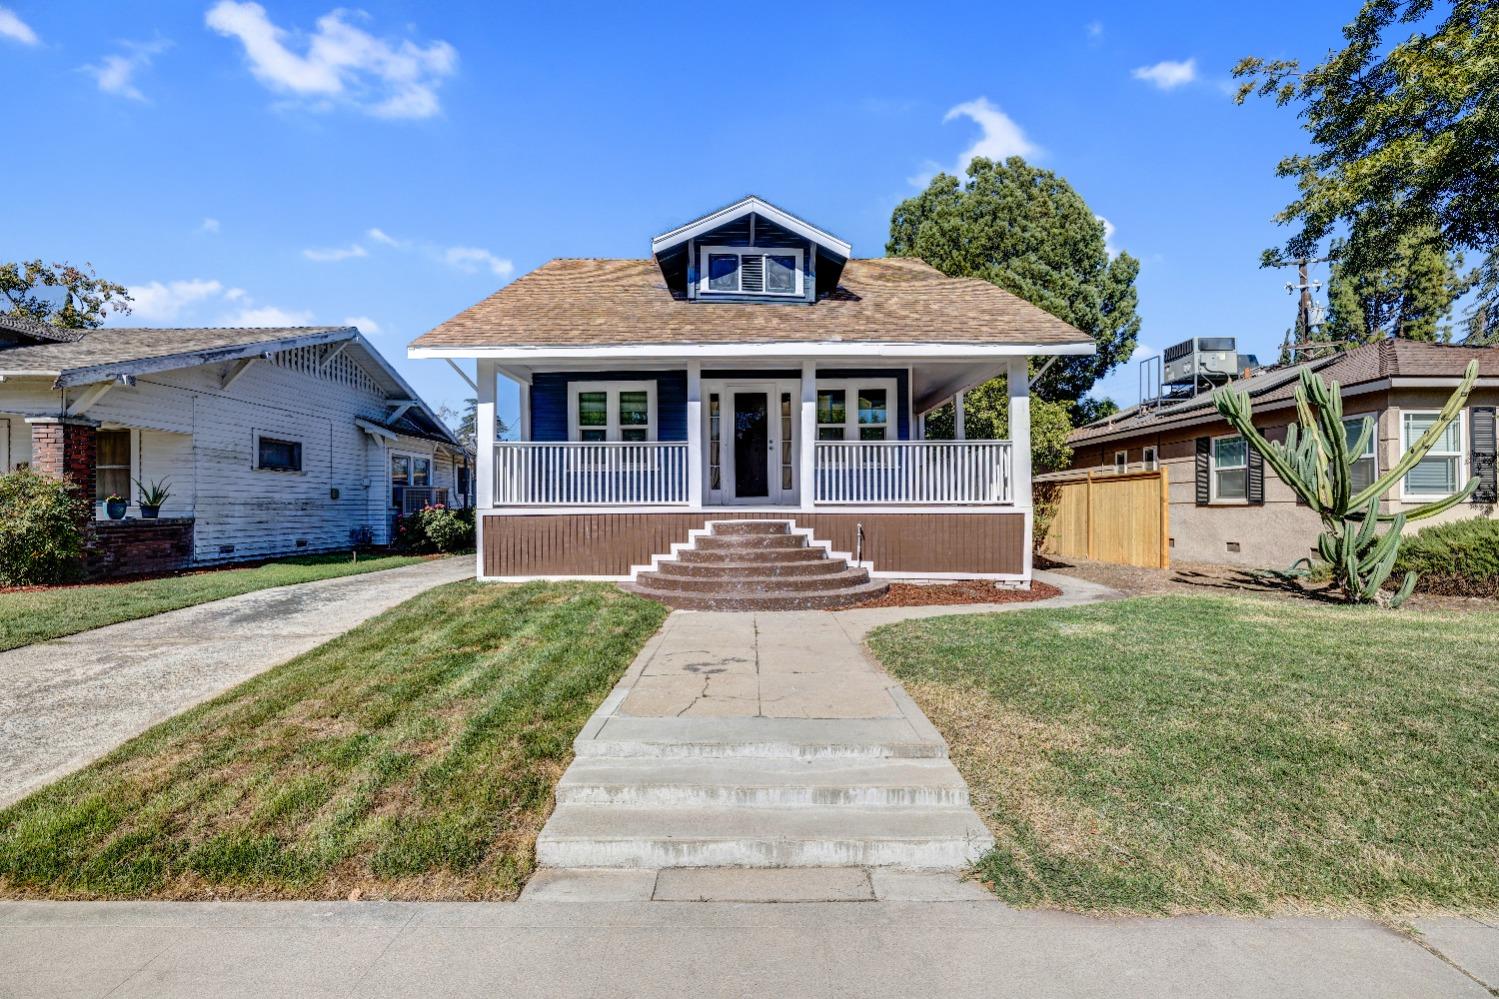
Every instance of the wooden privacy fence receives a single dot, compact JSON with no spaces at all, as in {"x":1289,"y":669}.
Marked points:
{"x":1112,"y":517}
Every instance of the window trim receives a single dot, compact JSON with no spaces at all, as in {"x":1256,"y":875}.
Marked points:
{"x":751,"y":251}
{"x":612,"y":389}
{"x":851,"y":413}
{"x":258,"y":435}
{"x":1121,"y":462}
{"x":1213,"y":498}
{"x":1150,"y":456}
{"x":1356,"y":419}
{"x":132,"y":467}
{"x":1461,"y":454}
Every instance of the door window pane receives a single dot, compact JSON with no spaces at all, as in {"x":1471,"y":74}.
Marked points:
{"x":112,"y":464}
{"x":780,"y":274}
{"x":787,"y":456}
{"x":715,"y":466}
{"x":723,"y":272}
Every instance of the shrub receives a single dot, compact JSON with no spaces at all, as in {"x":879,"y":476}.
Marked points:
{"x":437,"y":529}
{"x":1458,"y":558}
{"x":41,"y":530}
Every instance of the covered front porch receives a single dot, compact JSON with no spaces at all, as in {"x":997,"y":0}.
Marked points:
{"x":617,"y":467}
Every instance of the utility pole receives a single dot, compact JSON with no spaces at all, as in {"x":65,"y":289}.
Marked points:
{"x":1301,"y":333}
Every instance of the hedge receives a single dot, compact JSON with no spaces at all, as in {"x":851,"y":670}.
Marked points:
{"x":1458,"y":558}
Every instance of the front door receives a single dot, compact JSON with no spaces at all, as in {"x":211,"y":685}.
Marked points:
{"x":752,"y":446}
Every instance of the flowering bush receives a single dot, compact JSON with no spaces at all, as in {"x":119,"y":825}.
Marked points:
{"x":41,"y":530}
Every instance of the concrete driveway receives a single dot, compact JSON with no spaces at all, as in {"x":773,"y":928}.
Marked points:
{"x":67,"y":702}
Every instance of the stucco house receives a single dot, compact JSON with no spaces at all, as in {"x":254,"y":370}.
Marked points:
{"x":737,"y":418}
{"x":1224,"y":508}
{"x":273,"y":441}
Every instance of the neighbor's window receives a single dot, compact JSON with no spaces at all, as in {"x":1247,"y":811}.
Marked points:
{"x":1152,"y":459}
{"x":421,"y":471}
{"x":1365,"y":467}
{"x":1436,"y":474}
{"x":751,"y":271}
{"x":112,"y":464}
{"x":853,"y":411}
{"x":612,"y":411}
{"x":1230,"y":468}
{"x":1121,"y":462}
{"x":277,"y":455}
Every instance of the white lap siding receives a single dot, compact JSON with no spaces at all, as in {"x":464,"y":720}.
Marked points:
{"x":202,"y":438}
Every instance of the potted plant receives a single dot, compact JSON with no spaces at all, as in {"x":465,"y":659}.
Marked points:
{"x":153,"y":497}
{"x":115,"y":506}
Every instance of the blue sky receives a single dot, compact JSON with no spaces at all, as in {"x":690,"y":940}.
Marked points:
{"x":394,"y":163}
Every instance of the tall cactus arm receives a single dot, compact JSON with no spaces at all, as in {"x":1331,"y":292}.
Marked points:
{"x":1329,"y":406}
{"x":1427,"y":440}
{"x":1438,"y":506}
{"x":1234,"y":407}
{"x":1314,"y":464}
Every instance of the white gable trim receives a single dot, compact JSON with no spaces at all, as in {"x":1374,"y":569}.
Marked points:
{"x":739,"y":209}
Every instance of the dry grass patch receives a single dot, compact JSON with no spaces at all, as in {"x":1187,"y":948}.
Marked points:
{"x":1190,"y":754}
{"x":414,"y":757}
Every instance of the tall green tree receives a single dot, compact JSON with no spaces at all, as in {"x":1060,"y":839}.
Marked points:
{"x":1405,"y":133}
{"x":31,"y":289}
{"x":986,"y":416}
{"x":1410,"y":296}
{"x":1028,"y":231}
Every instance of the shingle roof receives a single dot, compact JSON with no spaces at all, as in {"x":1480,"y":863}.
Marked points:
{"x":120,"y":345}
{"x":1369,"y":363}
{"x":578,"y":303}
{"x":28,"y":327}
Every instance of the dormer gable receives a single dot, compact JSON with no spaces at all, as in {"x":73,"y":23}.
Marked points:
{"x":750,"y":251}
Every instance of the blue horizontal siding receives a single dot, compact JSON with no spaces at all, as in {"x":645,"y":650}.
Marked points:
{"x":549,"y":400}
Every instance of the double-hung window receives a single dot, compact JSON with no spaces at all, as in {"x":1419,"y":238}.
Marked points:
{"x":1365,"y":465}
{"x":112,"y":464}
{"x":1152,"y":459}
{"x":611,"y":411}
{"x":1121,"y":462}
{"x":856,"y":410}
{"x":1438,"y":473}
{"x":749,"y":270}
{"x":1230,"y":469}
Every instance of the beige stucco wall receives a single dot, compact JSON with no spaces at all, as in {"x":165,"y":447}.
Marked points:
{"x":1280,"y":531}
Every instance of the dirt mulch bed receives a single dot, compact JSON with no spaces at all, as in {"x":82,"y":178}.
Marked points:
{"x":969,"y":591}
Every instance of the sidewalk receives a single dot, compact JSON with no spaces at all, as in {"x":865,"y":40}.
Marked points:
{"x":69,"y":701}
{"x":650,"y":949}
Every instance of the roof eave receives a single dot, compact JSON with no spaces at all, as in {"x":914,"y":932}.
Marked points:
{"x":88,"y":374}
{"x":712,"y":221}
{"x":908,"y":350}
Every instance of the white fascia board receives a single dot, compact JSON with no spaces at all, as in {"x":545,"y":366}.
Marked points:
{"x":1450,"y":382}
{"x":708,"y":223}
{"x":907,"y":352}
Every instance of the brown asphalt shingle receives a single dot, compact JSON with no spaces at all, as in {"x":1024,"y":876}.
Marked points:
{"x":584,"y":303}
{"x":118,"y":345}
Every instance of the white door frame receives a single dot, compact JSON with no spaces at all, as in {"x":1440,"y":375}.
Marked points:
{"x":773,"y":388}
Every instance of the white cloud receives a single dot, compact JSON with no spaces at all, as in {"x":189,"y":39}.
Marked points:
{"x":365,"y":324}
{"x":340,"y":63}
{"x":1142,"y":351}
{"x":159,"y":303}
{"x":1094,"y":30}
{"x":1168,"y":75}
{"x":267,"y":315}
{"x":999,"y":138}
{"x":1108,"y":236}
{"x":209,"y":225}
{"x":17,"y":30}
{"x":472,"y":259}
{"x":115,"y":74}
{"x":379,"y":236}
{"x":333,"y":254}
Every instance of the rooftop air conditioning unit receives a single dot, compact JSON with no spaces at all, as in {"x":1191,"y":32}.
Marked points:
{"x":1204,"y":358}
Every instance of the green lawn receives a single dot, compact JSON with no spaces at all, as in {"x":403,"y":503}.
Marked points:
{"x":413,"y":757}
{"x":1177,"y":754}
{"x":28,"y":616}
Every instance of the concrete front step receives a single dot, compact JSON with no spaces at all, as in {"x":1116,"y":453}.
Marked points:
{"x":764,"y":600}
{"x":759,"y":738}
{"x":605,"y":836}
{"x":757,"y":555}
{"x":724,"y":528}
{"x":742,"y":542}
{"x":742,"y":583}
{"x":819,"y":566}
{"x":762,"y":783}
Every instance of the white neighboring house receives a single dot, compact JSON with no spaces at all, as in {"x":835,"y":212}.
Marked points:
{"x":273,"y":441}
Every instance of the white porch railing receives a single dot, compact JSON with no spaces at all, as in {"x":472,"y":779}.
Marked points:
{"x":915,"y":472}
{"x":617,"y":473}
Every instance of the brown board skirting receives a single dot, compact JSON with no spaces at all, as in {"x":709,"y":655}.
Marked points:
{"x":608,"y":544}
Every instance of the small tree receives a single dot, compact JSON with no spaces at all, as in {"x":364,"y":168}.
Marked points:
{"x":1316,"y":461}
{"x":86,"y":298}
{"x":41,"y":532}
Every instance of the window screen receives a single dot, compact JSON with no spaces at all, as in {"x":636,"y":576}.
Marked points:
{"x":280,"y":455}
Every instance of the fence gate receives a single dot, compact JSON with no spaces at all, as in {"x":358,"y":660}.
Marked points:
{"x":1112,"y":517}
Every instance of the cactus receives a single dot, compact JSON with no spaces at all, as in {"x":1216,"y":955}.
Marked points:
{"x":1317,"y":463}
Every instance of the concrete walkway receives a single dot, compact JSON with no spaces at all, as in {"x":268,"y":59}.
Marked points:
{"x":672,"y":949}
{"x":69,"y":701}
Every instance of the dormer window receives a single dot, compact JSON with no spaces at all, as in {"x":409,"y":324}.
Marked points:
{"x":750,"y":270}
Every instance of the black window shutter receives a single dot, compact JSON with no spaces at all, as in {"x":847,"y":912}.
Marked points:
{"x":1204,"y":471}
{"x":1482,"y":434}
{"x":1256,"y":490}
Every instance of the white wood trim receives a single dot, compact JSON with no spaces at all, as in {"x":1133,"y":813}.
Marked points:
{"x":750,"y":251}
{"x":850,"y":387}
{"x":1213,"y":497}
{"x":1462,"y":455}
{"x":233,"y":371}
{"x":461,"y":373}
{"x":738,"y":209}
{"x":612,"y":390}
{"x":725,"y":389}
{"x":696,"y":433}
{"x":807,"y":466}
{"x":90,"y":395}
{"x":1017,"y":381}
{"x":484,"y":424}
{"x":771,"y":511}
{"x":330,"y":354}
{"x":959,"y":419}
{"x":771,"y":354}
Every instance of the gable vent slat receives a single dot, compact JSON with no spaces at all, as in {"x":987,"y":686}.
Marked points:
{"x":752,"y":273}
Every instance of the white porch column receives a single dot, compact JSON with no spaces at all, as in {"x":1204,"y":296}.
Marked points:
{"x":484,"y":433}
{"x":921,"y":427}
{"x":1017,"y":377}
{"x":959,"y":430}
{"x":807,"y":473}
{"x":695,"y":433}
